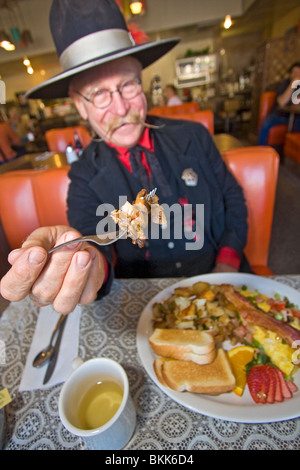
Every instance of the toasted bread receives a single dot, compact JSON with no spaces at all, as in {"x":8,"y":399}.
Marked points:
{"x":186,"y":345}
{"x":158,"y":367}
{"x":210,"y":379}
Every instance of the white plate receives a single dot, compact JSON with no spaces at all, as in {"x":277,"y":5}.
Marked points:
{"x":227,"y":406}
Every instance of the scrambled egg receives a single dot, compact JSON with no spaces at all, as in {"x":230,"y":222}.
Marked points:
{"x":296,"y":323}
{"x":279,"y":352}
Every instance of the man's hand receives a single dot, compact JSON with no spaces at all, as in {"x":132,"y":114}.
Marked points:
{"x":71,"y":275}
{"x":224,"y":268}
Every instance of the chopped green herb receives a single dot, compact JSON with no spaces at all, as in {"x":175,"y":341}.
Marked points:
{"x":279,"y":316}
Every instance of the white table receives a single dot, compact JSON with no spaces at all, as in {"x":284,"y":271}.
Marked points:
{"x":108,"y":328}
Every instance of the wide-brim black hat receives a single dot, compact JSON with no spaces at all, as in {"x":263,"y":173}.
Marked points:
{"x":88,"y":33}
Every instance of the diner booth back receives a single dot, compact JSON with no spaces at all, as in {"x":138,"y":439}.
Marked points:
{"x":33,"y":198}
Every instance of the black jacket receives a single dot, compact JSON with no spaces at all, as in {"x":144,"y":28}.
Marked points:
{"x":99,"y":177}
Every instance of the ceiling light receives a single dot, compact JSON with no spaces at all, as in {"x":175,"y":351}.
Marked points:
{"x":26,"y":61}
{"x":227,"y":22}
{"x":5,"y":42}
{"x":30,"y":70}
{"x":7,"y":45}
{"x":136,"y":7}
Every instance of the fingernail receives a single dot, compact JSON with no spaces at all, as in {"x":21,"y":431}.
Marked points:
{"x":36,"y":257}
{"x":83,"y":259}
{"x":16,"y":250}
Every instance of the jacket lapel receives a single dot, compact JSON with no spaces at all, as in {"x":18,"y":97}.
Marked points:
{"x":174,"y":152}
{"x":181,"y":155}
{"x":112,"y":179}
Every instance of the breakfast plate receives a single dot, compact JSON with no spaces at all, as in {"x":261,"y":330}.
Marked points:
{"x":227,"y":406}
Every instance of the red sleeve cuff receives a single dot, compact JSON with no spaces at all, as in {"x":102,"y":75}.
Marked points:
{"x":228,"y":256}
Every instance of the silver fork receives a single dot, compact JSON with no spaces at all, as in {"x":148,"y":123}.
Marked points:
{"x":102,"y":240}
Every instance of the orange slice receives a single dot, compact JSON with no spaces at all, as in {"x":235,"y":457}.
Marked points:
{"x":239,"y":357}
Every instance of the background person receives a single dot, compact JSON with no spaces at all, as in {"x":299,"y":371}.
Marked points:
{"x":21,"y":123}
{"x":10,"y":142}
{"x":283,"y":98}
{"x":172,"y":96}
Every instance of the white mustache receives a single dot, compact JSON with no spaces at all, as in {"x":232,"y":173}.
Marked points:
{"x":132,"y":117}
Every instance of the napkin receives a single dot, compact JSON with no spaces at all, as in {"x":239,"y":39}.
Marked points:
{"x":32,"y":378}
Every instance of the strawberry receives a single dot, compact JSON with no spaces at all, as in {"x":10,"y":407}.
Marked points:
{"x":258,"y":383}
{"x":284,"y":386}
{"x":293,"y":388}
{"x":268,"y":385}
{"x":278,"y":391}
{"x":272,"y":383}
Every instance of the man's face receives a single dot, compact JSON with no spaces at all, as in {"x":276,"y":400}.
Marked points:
{"x":168,"y":92}
{"x":120,"y":123}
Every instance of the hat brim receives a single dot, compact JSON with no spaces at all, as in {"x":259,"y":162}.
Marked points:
{"x":58,"y":86}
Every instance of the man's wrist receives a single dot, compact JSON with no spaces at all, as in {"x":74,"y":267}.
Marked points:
{"x":228,"y":256}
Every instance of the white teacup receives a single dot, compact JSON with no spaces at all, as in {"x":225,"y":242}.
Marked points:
{"x":117,"y":431}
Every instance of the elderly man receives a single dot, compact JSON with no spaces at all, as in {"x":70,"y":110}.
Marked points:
{"x":131,"y":151}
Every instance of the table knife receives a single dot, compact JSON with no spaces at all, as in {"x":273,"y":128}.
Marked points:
{"x":53,"y":358}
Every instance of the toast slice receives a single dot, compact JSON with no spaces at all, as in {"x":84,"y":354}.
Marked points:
{"x":186,"y":345}
{"x":210,"y":379}
{"x":158,"y":369}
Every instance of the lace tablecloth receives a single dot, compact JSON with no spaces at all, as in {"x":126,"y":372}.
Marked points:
{"x":108,"y":328}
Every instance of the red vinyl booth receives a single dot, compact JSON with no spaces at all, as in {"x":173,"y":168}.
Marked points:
{"x":203,"y":117}
{"x":30,"y":199}
{"x":277,"y":133}
{"x":58,"y":139}
{"x":169,"y":111}
{"x":292,"y":146}
{"x":256,"y":170}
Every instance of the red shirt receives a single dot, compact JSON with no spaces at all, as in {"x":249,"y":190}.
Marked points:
{"x":123,"y":152}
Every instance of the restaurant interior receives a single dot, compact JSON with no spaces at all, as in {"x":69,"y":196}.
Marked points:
{"x":226,"y":69}
{"x":227,"y":75}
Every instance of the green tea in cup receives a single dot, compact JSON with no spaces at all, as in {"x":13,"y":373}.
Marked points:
{"x":95,"y":404}
{"x":99,"y":404}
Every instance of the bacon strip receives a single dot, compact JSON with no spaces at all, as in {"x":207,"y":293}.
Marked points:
{"x":250,"y":314}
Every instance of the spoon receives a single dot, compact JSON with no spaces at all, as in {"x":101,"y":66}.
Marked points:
{"x":46,"y":353}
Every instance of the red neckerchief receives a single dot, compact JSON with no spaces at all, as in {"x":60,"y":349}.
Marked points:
{"x":123,"y":152}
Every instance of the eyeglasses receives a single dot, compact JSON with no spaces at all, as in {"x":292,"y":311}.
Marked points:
{"x":102,"y":98}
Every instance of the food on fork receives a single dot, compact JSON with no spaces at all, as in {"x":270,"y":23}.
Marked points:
{"x":134,"y":217}
{"x":133,"y":220}
{"x":210,"y":379}
{"x":150,"y":201}
{"x":187,"y":345}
